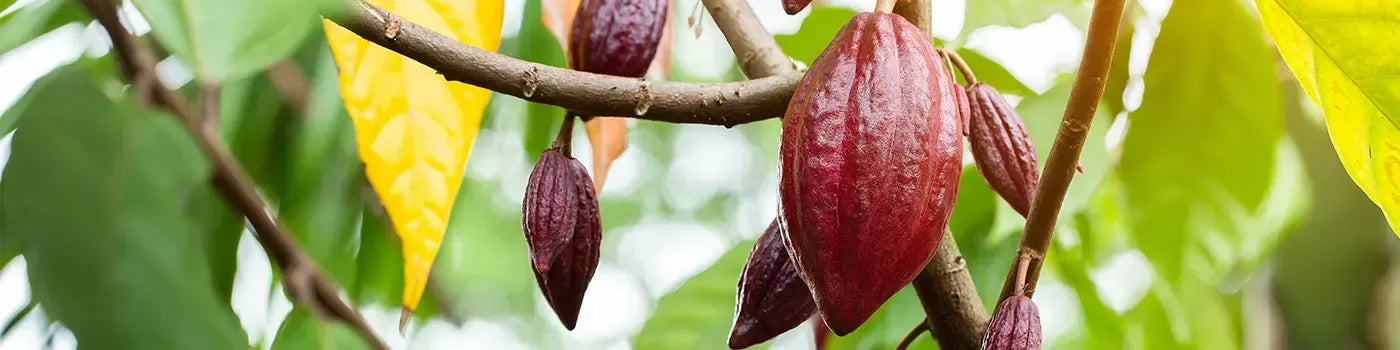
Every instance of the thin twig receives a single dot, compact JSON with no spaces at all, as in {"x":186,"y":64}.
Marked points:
{"x":303,"y":279}
{"x":913,"y":335}
{"x":1064,"y":154}
{"x":963,"y":68}
{"x":587,"y":94}
{"x":758,"y":53}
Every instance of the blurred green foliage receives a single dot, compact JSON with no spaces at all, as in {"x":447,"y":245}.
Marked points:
{"x":128,"y":246}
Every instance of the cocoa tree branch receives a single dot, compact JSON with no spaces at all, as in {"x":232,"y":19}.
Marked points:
{"x":1064,"y":154}
{"x":758,"y":53}
{"x":945,"y":288}
{"x":586,"y":94}
{"x":304,"y":280}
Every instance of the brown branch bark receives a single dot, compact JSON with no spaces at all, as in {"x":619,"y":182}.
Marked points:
{"x":586,"y":94}
{"x":758,"y":54}
{"x":1064,"y":154}
{"x":304,"y":280}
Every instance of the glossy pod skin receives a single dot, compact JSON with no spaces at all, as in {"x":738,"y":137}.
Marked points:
{"x":869,"y":166}
{"x":616,"y":37}
{"x":772,"y":297}
{"x":563,"y":229}
{"x":1002,"y":148}
{"x":1014,"y":326}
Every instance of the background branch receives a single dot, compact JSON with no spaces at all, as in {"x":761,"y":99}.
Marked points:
{"x":756,"y":50}
{"x":304,"y":280}
{"x":1069,"y":141}
{"x":586,"y":94}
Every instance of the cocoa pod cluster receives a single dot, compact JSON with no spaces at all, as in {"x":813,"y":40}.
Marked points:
{"x":1015,"y":326}
{"x":563,"y":229}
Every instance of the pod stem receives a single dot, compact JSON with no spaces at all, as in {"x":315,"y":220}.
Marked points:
{"x":885,"y":6}
{"x":565,"y":139}
{"x":962,"y":66}
{"x":1064,"y":154}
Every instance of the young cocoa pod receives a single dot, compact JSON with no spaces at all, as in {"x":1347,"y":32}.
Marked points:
{"x":563,"y":229}
{"x":1001,"y":147}
{"x":772,"y":298}
{"x":1014,"y":326}
{"x":616,"y":37}
{"x":869,"y":166}
{"x":792,"y":7}
{"x":964,"y":107}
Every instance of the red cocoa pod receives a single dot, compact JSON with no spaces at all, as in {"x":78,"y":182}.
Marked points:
{"x":563,"y":229}
{"x":792,"y":7}
{"x":772,"y":297}
{"x":1014,"y":326}
{"x":616,"y":37}
{"x":1001,"y":147}
{"x":869,"y":166}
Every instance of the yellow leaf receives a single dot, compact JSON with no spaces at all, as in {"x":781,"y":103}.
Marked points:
{"x":608,"y":135}
{"x":414,"y":129}
{"x":1343,"y":54}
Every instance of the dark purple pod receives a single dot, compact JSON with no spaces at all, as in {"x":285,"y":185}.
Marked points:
{"x":792,"y":7}
{"x":1002,"y":148}
{"x":563,"y":229}
{"x":616,"y":37}
{"x":869,"y":165}
{"x":1014,"y":326}
{"x":772,"y":297}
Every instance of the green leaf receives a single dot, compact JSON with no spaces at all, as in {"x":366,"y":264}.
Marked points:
{"x":223,"y":228}
{"x":816,"y":32}
{"x":699,"y":313}
{"x":1341,"y":53}
{"x":484,"y":259}
{"x":226,"y":40}
{"x":1020,"y":13}
{"x":380,"y":263}
{"x":93,"y":188}
{"x":992,"y":73}
{"x":303,"y":331}
{"x":1199,"y":155}
{"x":536,"y":44}
{"x":34,"y":20}
{"x":325,"y":188}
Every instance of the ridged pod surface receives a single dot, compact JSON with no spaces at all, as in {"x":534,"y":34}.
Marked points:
{"x":1014,"y":326}
{"x":772,"y":297}
{"x":1002,"y":148}
{"x":616,"y":37}
{"x":563,"y":229}
{"x":869,"y":166}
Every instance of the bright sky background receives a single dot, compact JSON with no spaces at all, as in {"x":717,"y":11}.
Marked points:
{"x":657,"y":254}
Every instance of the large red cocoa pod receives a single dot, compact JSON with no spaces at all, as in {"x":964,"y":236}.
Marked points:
{"x":563,"y":229}
{"x":1014,"y":326}
{"x":772,"y":298}
{"x":616,"y":37}
{"x":1002,"y":148}
{"x":869,"y":166}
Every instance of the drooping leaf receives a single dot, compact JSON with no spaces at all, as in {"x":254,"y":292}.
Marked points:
{"x":34,"y":20}
{"x":699,"y":313}
{"x":303,"y":331}
{"x":225,"y":40}
{"x":1341,"y":53}
{"x":94,"y":189}
{"x":608,"y":135}
{"x":1211,"y":117}
{"x":1020,"y":13}
{"x":414,"y":129}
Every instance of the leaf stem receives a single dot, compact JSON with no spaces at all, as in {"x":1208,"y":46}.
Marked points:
{"x":1064,"y":154}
